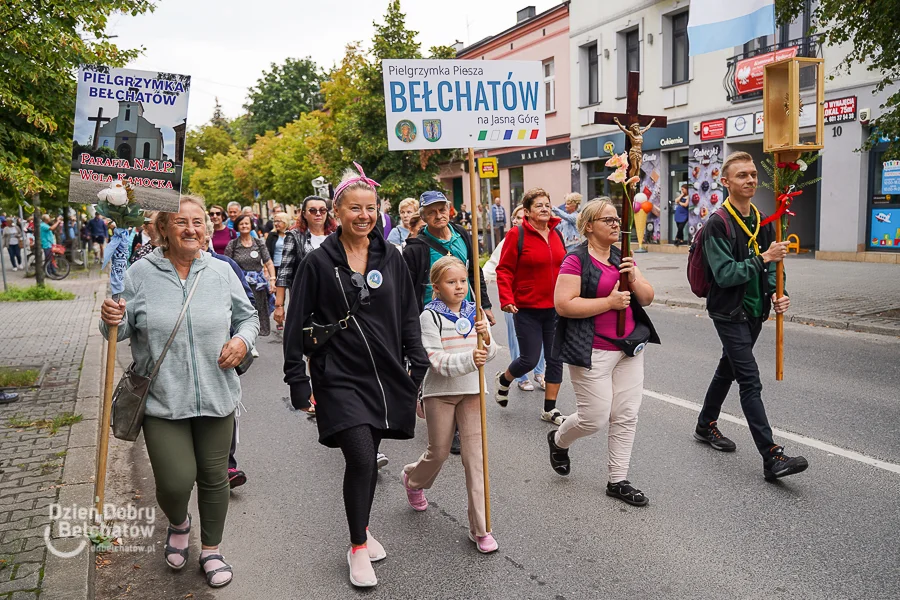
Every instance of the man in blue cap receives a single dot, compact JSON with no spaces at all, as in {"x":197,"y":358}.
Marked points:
{"x":441,"y":238}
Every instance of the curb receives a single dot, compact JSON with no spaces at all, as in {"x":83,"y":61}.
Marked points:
{"x":73,"y":578}
{"x":861,"y":327}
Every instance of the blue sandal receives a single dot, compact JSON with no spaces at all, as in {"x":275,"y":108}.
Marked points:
{"x":170,"y":550}
{"x":223,"y":569}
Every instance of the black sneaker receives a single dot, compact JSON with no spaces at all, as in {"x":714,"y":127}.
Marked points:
{"x":559,"y":457}
{"x":712,"y":436}
{"x":236,"y":478}
{"x":778,"y":464}
{"x":454,"y":445}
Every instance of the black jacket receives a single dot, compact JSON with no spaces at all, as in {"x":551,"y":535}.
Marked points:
{"x":574,"y":339}
{"x":360,"y":377}
{"x":726,"y":302}
{"x":417,"y":255}
{"x":270,"y":243}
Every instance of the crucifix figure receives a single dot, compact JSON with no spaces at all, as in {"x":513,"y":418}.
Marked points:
{"x":100,"y":120}
{"x":634,"y":127}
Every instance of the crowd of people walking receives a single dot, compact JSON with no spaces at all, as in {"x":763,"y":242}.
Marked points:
{"x":380,"y":324}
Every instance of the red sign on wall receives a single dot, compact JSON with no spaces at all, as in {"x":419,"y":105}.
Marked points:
{"x":841,"y":110}
{"x":712,"y":130}
{"x":748,"y":75}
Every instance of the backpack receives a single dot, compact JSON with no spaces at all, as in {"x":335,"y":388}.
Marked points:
{"x":521,"y":244}
{"x":697,"y":269}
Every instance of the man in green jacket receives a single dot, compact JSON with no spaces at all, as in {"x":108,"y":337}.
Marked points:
{"x":739,"y":300}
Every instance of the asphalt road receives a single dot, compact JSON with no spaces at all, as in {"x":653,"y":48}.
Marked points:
{"x":713,"y":529}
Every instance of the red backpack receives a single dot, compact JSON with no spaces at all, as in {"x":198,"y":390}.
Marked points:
{"x":698,"y":273}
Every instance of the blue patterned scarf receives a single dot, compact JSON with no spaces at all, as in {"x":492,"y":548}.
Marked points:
{"x":466,"y":311}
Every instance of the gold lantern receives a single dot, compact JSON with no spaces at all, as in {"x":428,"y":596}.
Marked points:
{"x":786,"y":111}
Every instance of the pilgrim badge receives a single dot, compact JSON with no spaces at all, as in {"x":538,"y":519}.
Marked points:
{"x":463,"y":326}
{"x":374,"y":279}
{"x":254,"y":254}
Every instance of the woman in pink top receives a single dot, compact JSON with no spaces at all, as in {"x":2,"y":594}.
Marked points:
{"x":607,"y":371}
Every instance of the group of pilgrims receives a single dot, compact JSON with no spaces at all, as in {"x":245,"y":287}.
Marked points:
{"x":379,"y":332}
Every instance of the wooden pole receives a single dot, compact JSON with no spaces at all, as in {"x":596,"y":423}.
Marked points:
{"x":103,"y":448}
{"x":779,"y":284}
{"x":476,"y":285}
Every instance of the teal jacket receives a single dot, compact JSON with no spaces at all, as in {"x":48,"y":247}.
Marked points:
{"x":190,"y":382}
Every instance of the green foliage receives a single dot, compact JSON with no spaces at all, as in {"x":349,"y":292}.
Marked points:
{"x":353,"y":121}
{"x":788,"y":177}
{"x":282,"y":167}
{"x":41,"y":46}
{"x":870,"y":28}
{"x":206,"y":141}
{"x":283,"y":94}
{"x":17,"y":377}
{"x":34,"y":293}
{"x":218,"y":182}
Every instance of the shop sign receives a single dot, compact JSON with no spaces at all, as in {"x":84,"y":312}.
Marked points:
{"x":676,"y":134}
{"x":535,"y":155}
{"x":841,"y":110}
{"x":759,"y":122}
{"x":885,"y":228}
{"x":748,"y":74}
{"x":487,"y":168}
{"x":740,"y":125}
{"x":890,"y":177}
{"x":712,"y":130}
{"x":600,"y":146}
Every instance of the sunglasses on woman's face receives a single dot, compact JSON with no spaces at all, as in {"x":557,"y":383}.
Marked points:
{"x":317,"y":211}
{"x":215,"y":213}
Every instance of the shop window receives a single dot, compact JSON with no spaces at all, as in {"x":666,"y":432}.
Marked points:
{"x":516,"y":187}
{"x":598,"y":185}
{"x":549,"y":86}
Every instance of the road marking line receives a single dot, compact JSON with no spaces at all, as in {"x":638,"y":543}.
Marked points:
{"x":800,"y":439}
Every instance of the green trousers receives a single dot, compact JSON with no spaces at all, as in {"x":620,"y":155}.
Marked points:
{"x":187,"y":450}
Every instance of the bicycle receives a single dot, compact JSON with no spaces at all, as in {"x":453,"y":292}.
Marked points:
{"x":56,"y":268}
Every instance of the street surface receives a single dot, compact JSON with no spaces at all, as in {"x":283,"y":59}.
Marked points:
{"x":713,"y":529}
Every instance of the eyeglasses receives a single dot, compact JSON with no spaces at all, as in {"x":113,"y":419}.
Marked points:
{"x":317,"y":211}
{"x":610,"y":221}
{"x":215,"y":213}
{"x":359,"y":281}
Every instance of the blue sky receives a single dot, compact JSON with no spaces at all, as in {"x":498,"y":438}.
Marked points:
{"x":225,"y":46}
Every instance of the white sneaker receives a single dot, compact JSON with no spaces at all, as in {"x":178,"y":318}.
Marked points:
{"x":381,"y":460}
{"x":554,"y":416}
{"x":15,"y":268}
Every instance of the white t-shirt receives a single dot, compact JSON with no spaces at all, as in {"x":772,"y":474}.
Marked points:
{"x":316,"y":240}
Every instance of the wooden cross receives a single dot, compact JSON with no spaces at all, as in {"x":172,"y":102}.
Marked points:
{"x":100,"y":120}
{"x":625,"y":121}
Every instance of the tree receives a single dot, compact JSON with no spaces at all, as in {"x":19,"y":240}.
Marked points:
{"x":206,"y":141}
{"x":41,"y":47}
{"x":219,"y":182}
{"x":353,"y":126}
{"x":283,"y":94}
{"x":871,"y":28}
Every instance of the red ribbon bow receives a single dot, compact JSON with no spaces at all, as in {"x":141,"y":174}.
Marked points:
{"x":784,"y":202}
{"x":788,"y":165}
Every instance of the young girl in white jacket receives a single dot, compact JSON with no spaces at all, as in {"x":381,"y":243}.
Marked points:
{"x":450,"y":393}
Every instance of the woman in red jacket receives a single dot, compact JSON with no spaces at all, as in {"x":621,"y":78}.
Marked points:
{"x":526,"y":278}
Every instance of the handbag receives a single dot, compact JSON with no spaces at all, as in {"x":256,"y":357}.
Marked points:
{"x":634,"y":343}
{"x":130,"y":396}
{"x":315,"y":335}
{"x":245,"y":364}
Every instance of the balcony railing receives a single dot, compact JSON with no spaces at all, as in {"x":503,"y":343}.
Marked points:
{"x":810,"y":47}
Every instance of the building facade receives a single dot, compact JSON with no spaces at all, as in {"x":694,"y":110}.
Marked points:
{"x":131,"y":135}
{"x":713,"y":103}
{"x":540,"y":37}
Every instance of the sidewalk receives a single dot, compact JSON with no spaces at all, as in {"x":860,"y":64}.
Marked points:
{"x":840,"y":295}
{"x":37,"y":468}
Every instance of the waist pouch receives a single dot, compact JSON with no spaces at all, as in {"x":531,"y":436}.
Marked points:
{"x":632,"y":344}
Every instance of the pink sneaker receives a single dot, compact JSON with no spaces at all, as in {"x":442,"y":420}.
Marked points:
{"x":485,"y":544}
{"x":416,"y":498}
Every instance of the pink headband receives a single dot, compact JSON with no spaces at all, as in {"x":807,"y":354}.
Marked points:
{"x":362,"y":177}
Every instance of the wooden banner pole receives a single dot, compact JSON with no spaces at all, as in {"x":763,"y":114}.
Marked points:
{"x":476,"y":285}
{"x":779,"y":285}
{"x":103,"y":448}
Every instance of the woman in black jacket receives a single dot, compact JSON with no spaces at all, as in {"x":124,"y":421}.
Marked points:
{"x":364,"y":391}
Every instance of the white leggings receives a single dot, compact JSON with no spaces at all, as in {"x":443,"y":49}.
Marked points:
{"x":610,"y":391}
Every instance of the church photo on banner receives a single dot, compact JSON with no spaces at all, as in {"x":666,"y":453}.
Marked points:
{"x":129,"y":126}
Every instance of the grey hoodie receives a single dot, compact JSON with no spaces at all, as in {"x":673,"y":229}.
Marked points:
{"x":190,"y":382}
